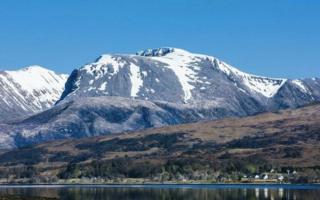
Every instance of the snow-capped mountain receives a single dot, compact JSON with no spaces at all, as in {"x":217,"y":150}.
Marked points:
{"x":178,"y":76}
{"x":28,"y":91}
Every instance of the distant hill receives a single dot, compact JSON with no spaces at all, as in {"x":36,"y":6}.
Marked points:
{"x":28,"y":91}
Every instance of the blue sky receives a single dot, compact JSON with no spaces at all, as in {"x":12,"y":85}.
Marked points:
{"x":272,"y":38}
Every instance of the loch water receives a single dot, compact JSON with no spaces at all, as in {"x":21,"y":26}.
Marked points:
{"x":160,"y":192}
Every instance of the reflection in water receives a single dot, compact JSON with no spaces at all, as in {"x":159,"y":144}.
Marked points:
{"x":161,"y":193}
{"x":257,"y":193}
{"x":281,"y":192}
{"x":265,"y":193}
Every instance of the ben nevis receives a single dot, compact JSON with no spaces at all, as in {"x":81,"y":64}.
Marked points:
{"x":127,"y":92}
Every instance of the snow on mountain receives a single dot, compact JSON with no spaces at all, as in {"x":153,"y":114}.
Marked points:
{"x":300,"y":85}
{"x":136,"y":80}
{"x":268,"y":87}
{"x":183,"y":64}
{"x":36,"y":78}
{"x":28,"y":91}
{"x":179,"y":61}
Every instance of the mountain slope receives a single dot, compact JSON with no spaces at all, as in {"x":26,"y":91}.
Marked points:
{"x":28,"y":91}
{"x":286,"y":140}
{"x":93,"y":116}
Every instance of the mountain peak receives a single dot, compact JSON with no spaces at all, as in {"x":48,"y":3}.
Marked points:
{"x":28,"y":68}
{"x":34,"y":67}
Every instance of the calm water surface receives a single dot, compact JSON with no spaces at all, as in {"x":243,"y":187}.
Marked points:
{"x":161,"y":192}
